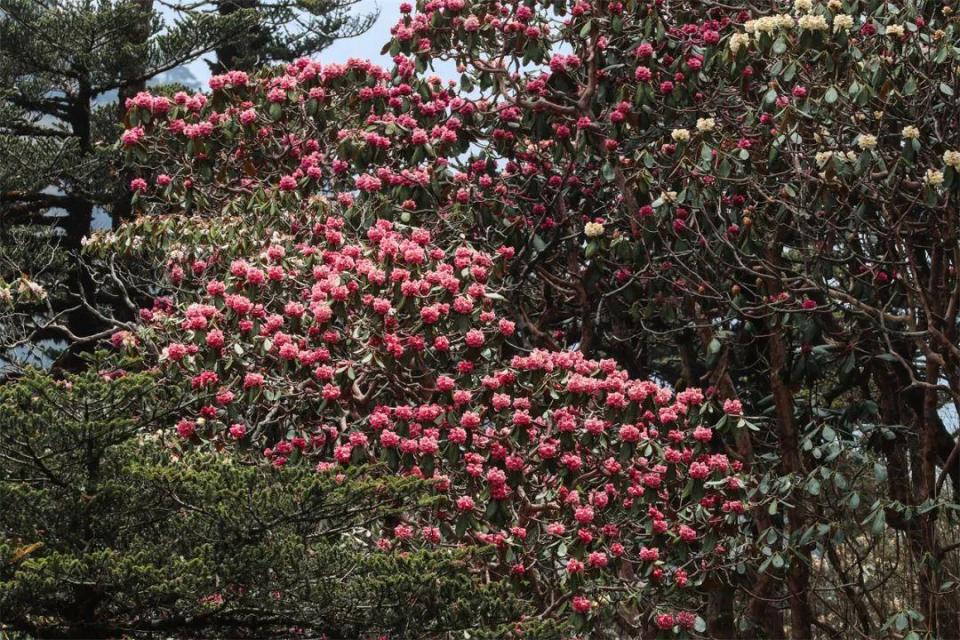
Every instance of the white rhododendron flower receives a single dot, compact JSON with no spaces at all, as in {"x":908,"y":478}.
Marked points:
{"x":842,"y":22}
{"x":866,"y":141}
{"x":738,"y":41}
{"x":593,"y":229}
{"x":31,"y":289}
{"x":910,"y":132}
{"x":706,"y":124}
{"x":769,"y":24}
{"x":812,"y":22}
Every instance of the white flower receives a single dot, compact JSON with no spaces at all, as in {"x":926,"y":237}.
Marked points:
{"x":706,"y":124}
{"x":593,"y":229}
{"x":785,"y":21}
{"x":952,"y":159}
{"x":737,"y":41}
{"x":842,"y":22}
{"x":835,"y":5}
{"x":933,"y":177}
{"x":895,"y":30}
{"x":768,"y":24}
{"x":29,"y":287}
{"x":823,"y":157}
{"x":812,"y":22}
{"x":803,"y":5}
{"x":910,"y":132}
{"x":668,"y":196}
{"x":680,"y":135}
{"x":5,"y":294}
{"x":866,"y":141}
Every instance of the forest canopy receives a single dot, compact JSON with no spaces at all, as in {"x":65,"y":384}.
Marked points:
{"x":644,"y":323}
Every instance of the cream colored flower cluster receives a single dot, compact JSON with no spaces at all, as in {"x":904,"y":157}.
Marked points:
{"x":26,"y":289}
{"x":823,"y":157}
{"x":593,"y":229}
{"x":769,"y":24}
{"x":813,"y":22}
{"x":704,"y":125}
{"x":866,"y":141}
{"x":934,"y":177}
{"x":739,"y":41}
{"x":807,"y":20}
{"x":842,"y":22}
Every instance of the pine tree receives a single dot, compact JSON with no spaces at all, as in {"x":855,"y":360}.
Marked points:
{"x":285,"y":30}
{"x":66,"y":68}
{"x":62,"y":64}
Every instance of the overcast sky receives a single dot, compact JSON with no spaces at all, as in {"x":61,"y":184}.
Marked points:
{"x":366,"y":46}
{"x":369,"y":44}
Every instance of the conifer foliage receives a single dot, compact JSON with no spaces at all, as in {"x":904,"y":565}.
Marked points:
{"x":110,"y":531}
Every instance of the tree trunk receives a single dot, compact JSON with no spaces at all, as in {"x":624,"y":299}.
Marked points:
{"x":798,"y":573}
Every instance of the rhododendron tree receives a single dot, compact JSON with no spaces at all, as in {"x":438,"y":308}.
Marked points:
{"x":781,"y":177}
{"x":316,"y":344}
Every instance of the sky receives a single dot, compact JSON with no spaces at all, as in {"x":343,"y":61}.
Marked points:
{"x":369,"y":44}
{"x":366,"y":46}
